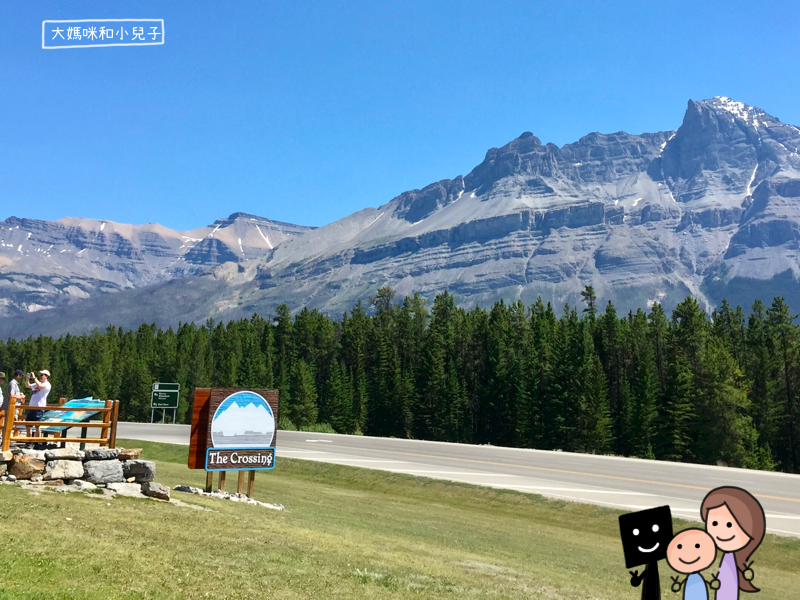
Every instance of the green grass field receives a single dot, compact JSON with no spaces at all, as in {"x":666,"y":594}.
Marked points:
{"x":346,"y":533}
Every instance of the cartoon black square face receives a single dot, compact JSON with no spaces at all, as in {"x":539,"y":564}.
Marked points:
{"x":645,"y":535}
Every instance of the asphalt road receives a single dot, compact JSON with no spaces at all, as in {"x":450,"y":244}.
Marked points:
{"x":625,"y":483}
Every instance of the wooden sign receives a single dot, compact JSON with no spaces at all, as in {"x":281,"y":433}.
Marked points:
{"x":240,"y":459}
{"x":233,"y":429}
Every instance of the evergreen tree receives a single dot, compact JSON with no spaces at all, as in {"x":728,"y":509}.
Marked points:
{"x":563,"y":408}
{"x":729,"y":326}
{"x":355,"y":330}
{"x":499,"y":397}
{"x":643,"y":377}
{"x":478,"y":376}
{"x":285,"y":356}
{"x":341,"y":416}
{"x":590,"y":299}
{"x":611,"y":334}
{"x":443,"y":402}
{"x":784,"y":345}
{"x":763,"y":371}
{"x":303,"y":394}
{"x":542,"y":415}
{"x":723,"y":430}
{"x":595,"y":432}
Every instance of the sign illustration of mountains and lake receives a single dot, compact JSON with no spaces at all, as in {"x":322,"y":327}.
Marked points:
{"x":243,"y":420}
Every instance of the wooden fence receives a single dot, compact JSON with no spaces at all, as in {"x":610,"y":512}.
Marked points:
{"x":108,"y":426}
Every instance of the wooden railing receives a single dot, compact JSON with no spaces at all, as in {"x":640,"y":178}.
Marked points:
{"x":108,"y":426}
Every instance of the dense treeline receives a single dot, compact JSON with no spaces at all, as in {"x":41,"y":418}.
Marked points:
{"x":674,"y":387}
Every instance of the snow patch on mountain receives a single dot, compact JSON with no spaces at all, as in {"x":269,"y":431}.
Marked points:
{"x":740,"y":110}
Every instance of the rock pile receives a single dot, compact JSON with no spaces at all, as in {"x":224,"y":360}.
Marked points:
{"x":226,"y":496}
{"x":118,"y":470}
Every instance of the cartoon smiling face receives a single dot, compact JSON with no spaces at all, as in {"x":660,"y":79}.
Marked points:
{"x":645,"y":535}
{"x":727,"y":533}
{"x":691,"y":551}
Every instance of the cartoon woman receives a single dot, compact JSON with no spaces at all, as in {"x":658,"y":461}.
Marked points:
{"x":735,"y":520}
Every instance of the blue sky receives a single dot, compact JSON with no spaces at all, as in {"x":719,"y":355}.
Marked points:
{"x":308,"y":111}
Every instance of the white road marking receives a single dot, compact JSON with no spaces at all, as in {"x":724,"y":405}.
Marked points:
{"x":365,"y":460}
{"x":461,"y":473}
{"x":536,"y":487}
{"x":792,"y":533}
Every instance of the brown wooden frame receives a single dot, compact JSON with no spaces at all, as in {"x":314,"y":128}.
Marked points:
{"x":200,"y":440}
{"x":108,"y":427}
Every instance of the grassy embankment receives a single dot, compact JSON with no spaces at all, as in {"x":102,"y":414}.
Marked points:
{"x":347,"y":533}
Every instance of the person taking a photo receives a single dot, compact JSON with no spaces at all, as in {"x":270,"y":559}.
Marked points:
{"x":41,"y":388}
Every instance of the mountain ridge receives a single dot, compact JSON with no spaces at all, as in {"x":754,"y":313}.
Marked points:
{"x":46,"y":264}
{"x":643,"y":218}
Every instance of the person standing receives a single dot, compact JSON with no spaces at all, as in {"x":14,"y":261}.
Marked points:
{"x":13,"y":393}
{"x":14,"y":396}
{"x":2,"y":384}
{"x":41,"y":388}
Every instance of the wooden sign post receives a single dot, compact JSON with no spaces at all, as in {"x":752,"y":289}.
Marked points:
{"x":233,"y":430}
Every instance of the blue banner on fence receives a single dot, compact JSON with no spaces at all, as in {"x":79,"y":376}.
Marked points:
{"x":76,"y":417}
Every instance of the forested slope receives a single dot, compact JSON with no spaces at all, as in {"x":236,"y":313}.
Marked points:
{"x":684,"y":386}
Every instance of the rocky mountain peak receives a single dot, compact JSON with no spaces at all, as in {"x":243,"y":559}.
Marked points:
{"x":252,"y":219}
{"x":525,"y":142}
{"x":738,"y":110}
{"x":416,"y":205}
{"x":724,"y":149}
{"x":710,"y":209}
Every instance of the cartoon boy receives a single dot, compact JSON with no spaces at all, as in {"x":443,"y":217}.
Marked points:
{"x":689,"y":552}
{"x":645,"y":536}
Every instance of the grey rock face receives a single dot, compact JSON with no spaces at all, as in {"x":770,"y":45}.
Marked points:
{"x":155,"y":490}
{"x":132,"y":490}
{"x":103,"y":471}
{"x":141,"y":470}
{"x":64,"y":454}
{"x":415,"y":205}
{"x":83,"y":486}
{"x":101,"y":454}
{"x":29,"y":452}
{"x":26,"y":467}
{"x":642,"y":218}
{"x":129,"y":453}
{"x":51,"y":264}
{"x":63,"y":469}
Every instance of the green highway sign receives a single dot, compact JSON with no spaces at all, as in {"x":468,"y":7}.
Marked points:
{"x":165,"y":395}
